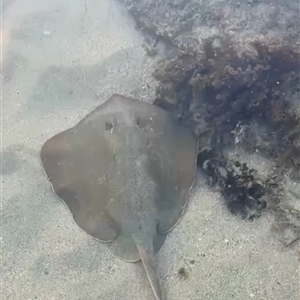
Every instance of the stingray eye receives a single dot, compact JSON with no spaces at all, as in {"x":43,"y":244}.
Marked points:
{"x":108,"y":126}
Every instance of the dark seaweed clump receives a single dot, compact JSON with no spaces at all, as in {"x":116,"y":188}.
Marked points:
{"x":236,"y":181}
{"x":244,"y":97}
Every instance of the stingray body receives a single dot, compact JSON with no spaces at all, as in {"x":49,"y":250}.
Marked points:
{"x":124,"y":171}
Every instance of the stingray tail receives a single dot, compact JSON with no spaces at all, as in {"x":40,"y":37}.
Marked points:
{"x":150,"y":265}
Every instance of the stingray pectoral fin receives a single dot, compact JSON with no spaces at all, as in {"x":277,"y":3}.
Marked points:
{"x":150,"y":265}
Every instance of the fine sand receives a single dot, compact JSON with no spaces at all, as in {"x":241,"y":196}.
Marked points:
{"x":60,"y":60}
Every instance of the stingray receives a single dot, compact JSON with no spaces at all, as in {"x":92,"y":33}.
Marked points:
{"x":125,"y":172}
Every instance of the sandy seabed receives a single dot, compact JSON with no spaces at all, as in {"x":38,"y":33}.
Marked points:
{"x":60,"y":60}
